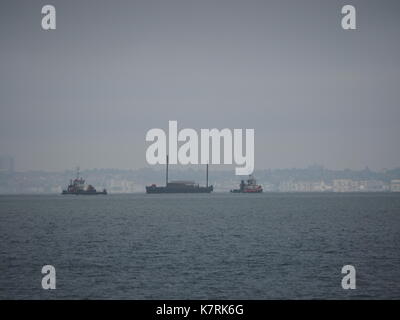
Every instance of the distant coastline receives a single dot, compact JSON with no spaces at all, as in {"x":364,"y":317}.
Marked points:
{"x":311,"y":179}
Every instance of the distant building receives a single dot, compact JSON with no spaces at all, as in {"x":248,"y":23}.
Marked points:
{"x":123,"y":186}
{"x":304,"y":186}
{"x":345,"y":185}
{"x":395,"y":185}
{"x":6,"y":164}
{"x":349,"y":185}
{"x":373,"y":186}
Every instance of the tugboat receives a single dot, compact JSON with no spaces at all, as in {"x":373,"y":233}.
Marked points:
{"x":179,"y":186}
{"x":78,"y":187}
{"x":250,"y":186}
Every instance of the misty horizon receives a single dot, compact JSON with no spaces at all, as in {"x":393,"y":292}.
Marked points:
{"x":200,"y":168}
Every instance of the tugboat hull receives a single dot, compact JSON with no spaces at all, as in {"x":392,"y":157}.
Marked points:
{"x":247,"y":191}
{"x":86,"y":193}
{"x":250,"y":186}
{"x":78,"y":187}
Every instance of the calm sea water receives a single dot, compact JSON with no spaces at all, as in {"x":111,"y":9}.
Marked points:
{"x":217,"y":246}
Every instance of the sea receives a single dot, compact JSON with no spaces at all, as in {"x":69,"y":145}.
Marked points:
{"x":201,"y":246}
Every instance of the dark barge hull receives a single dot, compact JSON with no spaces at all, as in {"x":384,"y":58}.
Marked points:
{"x":154,"y":189}
{"x":179,"y":186}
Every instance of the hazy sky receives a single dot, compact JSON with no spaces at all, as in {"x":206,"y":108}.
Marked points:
{"x":88,"y":92}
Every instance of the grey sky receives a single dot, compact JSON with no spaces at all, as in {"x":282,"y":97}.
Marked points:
{"x":88,"y":92}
